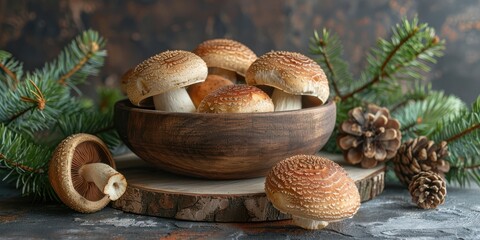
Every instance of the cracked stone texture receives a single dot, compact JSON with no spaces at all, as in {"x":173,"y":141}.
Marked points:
{"x":36,"y":31}
{"x":389,"y":216}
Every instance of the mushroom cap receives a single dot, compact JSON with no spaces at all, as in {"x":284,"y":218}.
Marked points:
{"x":236,"y":99}
{"x":290,"y":72}
{"x":312,"y":187}
{"x":227,"y":54}
{"x":63,"y":173}
{"x":124,"y":80}
{"x":199,"y":91}
{"x":163,"y":72}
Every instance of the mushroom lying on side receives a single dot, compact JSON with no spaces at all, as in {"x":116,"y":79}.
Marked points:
{"x":292,"y":75}
{"x":236,"y":99}
{"x":313,"y":189}
{"x":82,"y":174}
{"x":164,"y":77}
{"x":226,"y":57}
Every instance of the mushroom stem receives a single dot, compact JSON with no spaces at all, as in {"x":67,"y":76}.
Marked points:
{"x":107,"y":179}
{"x":175,"y":100}
{"x":285,"y":102}
{"x":230,"y":75}
{"x":309,"y":223}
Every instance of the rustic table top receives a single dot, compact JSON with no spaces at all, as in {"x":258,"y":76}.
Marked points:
{"x":390,"y":215}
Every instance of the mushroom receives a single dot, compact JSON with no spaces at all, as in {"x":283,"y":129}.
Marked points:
{"x":313,"y":189}
{"x":292,"y":75}
{"x":164,"y":77}
{"x":124,"y":80}
{"x":198,"y":91}
{"x":236,"y":99}
{"x":226,"y":57}
{"x":82,"y":174}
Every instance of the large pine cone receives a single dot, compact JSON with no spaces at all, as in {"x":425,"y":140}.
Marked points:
{"x":428,"y":190}
{"x":420,"y":154}
{"x":369,"y":136}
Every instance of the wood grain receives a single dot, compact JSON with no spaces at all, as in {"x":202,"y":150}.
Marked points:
{"x":157,"y":193}
{"x":222,"y":146}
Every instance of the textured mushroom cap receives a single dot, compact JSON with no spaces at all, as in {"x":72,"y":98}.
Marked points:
{"x":124,"y":80}
{"x":312,"y":187}
{"x":227,"y":54}
{"x":199,"y":91}
{"x":236,"y":99}
{"x":63,"y":173}
{"x":290,"y":72}
{"x":163,"y":72}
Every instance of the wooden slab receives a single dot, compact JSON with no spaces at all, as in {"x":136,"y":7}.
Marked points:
{"x":157,"y":193}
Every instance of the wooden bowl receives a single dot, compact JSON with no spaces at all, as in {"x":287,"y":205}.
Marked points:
{"x":222,"y":146}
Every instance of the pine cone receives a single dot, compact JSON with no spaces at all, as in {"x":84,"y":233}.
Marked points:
{"x":420,"y":154}
{"x":428,"y":190}
{"x":369,"y":136}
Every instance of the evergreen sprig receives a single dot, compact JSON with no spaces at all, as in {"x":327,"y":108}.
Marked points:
{"x":394,"y":78}
{"x":11,"y":71}
{"x":419,"y":117}
{"x":462,"y":133}
{"x":330,"y":50}
{"x":24,"y":164}
{"x":38,"y":109}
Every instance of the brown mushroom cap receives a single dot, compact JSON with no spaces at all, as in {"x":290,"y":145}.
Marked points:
{"x":227,"y":54}
{"x":199,"y":91}
{"x":312,"y":187}
{"x":124,"y":80}
{"x":164,"y":72}
{"x":290,"y":72}
{"x":69,"y":156}
{"x":236,"y":99}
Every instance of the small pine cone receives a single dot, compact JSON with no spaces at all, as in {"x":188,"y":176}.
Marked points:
{"x":369,"y":136}
{"x":428,"y":190}
{"x":418,"y":155}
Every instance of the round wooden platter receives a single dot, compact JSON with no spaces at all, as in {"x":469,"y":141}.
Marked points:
{"x":157,"y":193}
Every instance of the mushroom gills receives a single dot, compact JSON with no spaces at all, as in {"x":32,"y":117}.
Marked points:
{"x":309,"y":223}
{"x":175,"y":100}
{"x":107,"y":179}
{"x":285,"y":102}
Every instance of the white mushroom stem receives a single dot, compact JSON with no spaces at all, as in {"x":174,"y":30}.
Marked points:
{"x":309,"y":223}
{"x":285,"y":102}
{"x":107,"y":179}
{"x":176,"y":100}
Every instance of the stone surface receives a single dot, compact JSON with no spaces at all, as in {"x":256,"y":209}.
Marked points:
{"x":389,"y":216}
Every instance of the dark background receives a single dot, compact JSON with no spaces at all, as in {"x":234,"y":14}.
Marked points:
{"x":36,"y":31}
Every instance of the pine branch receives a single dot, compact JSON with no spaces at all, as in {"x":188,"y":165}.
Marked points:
{"x":93,"y":48}
{"x":411,"y":48}
{"x":382,"y":73}
{"x":12,"y":70}
{"x":419,"y":117}
{"x":9,"y":73}
{"x":419,"y":92}
{"x":25,"y":163}
{"x":93,"y":122}
{"x":330,"y":51}
{"x":80,"y":59}
{"x":462,"y":132}
{"x":35,"y":104}
{"x":31,"y":113}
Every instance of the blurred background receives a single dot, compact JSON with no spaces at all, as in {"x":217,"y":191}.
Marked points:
{"x":36,"y":31}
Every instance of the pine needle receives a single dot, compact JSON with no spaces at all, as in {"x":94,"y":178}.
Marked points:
{"x":38,"y":110}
